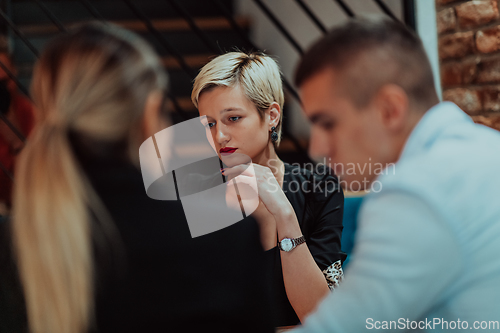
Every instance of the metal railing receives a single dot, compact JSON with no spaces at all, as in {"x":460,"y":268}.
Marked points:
{"x":163,"y":42}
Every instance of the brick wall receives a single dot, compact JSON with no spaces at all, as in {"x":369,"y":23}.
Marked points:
{"x":469,"y":52}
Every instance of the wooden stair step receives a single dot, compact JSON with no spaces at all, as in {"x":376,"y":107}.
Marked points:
{"x":193,"y":61}
{"x":170,"y":63}
{"x":184,"y":102}
{"x":167,"y":25}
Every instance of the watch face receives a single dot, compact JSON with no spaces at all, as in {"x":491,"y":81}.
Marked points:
{"x":286,"y":244}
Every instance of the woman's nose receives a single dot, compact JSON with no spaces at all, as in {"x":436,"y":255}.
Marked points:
{"x":221,"y":134}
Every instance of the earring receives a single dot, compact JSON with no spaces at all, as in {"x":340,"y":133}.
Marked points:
{"x":274,"y":135}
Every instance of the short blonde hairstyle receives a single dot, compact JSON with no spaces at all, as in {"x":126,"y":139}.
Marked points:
{"x":258,"y":75}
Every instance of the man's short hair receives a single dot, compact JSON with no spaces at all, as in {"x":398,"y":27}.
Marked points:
{"x":368,"y":53}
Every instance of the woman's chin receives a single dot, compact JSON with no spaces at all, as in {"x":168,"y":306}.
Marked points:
{"x":234,"y":159}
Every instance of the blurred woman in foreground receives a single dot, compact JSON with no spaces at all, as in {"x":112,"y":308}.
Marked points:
{"x":94,"y":252}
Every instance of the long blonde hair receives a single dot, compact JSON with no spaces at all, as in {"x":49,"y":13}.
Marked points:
{"x":92,"y":82}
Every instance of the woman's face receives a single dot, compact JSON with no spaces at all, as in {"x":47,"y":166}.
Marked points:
{"x":235,"y":124}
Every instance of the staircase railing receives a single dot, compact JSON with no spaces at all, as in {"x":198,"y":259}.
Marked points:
{"x":408,"y":16}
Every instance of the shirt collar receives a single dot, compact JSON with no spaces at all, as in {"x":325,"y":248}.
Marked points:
{"x":432,"y":125}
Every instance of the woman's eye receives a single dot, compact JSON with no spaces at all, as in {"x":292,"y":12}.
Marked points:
{"x":234,"y":118}
{"x":210,"y":125}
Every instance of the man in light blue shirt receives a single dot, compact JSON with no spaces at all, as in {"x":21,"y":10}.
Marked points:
{"x":427,"y":251}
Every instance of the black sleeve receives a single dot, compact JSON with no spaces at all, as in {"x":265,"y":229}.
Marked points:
{"x":12,"y":308}
{"x":326,"y":199}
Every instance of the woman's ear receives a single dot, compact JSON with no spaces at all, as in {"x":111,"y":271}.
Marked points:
{"x":274,"y":115}
{"x":151,"y":121}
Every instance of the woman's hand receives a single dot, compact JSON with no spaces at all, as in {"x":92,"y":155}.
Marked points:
{"x":268,"y":188}
{"x":256,"y":181}
{"x":304,"y":282}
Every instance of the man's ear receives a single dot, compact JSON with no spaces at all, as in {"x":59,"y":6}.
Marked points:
{"x":151,"y":121}
{"x":274,"y":115}
{"x":393,"y":107}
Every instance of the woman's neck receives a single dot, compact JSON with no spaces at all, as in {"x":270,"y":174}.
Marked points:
{"x":270,"y":159}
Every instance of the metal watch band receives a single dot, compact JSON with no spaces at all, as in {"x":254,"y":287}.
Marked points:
{"x":298,"y":241}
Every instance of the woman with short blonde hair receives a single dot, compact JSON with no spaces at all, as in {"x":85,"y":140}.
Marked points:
{"x":241,"y":97}
{"x":257,"y":74}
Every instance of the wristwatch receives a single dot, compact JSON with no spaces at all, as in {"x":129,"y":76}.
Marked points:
{"x":288,"y":244}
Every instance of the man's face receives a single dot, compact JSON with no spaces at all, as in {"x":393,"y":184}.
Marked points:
{"x":352,"y":140}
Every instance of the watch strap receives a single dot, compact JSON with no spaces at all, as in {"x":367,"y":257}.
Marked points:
{"x":298,"y":241}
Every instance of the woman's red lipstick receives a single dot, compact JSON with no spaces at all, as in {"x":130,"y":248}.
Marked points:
{"x":227,"y":150}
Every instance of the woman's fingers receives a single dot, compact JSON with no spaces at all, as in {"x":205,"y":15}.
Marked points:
{"x":261,"y":180}
{"x":252,"y":170}
{"x":242,"y":169}
{"x":246,"y":188}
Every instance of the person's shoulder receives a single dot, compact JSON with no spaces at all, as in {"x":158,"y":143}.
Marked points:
{"x":5,"y":237}
{"x":455,"y":177}
{"x":452,"y":160}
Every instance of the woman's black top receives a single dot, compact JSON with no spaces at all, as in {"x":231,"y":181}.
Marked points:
{"x":12,"y":308}
{"x":318,"y":202}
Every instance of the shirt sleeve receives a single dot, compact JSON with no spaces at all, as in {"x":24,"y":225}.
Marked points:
{"x":334,"y":275}
{"x":326,"y":201}
{"x":405,"y":257}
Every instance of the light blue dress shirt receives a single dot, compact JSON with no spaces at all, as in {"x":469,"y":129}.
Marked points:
{"x":427,"y":251}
